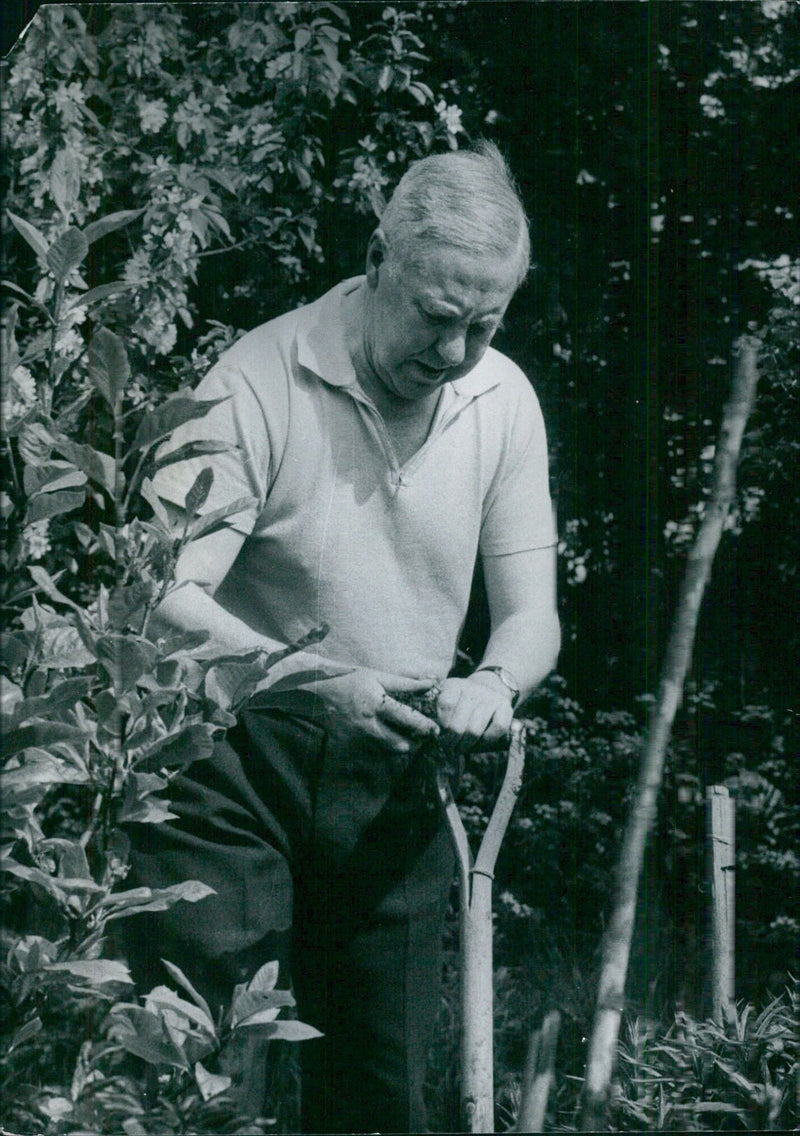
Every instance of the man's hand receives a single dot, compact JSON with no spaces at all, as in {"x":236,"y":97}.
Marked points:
{"x":363,"y":698}
{"x":475,"y":711}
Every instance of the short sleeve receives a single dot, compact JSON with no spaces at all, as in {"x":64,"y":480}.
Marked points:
{"x":518,"y":512}
{"x":241,"y":470}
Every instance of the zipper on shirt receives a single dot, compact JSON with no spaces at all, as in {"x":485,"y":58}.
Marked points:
{"x":400,"y":475}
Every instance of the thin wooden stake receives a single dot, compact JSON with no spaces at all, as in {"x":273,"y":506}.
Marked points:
{"x":721,"y":859}
{"x":617,"y":939}
{"x":537,"y":1081}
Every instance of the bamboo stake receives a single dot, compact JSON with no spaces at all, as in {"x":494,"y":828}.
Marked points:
{"x":540,"y":1068}
{"x":720,"y":841}
{"x":617,"y":939}
{"x":475,"y":925}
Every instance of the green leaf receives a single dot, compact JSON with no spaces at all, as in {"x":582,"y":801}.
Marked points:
{"x":14,"y":649}
{"x":35,"y":443}
{"x":51,"y":476}
{"x":62,"y":646}
{"x":126,"y":605}
{"x":109,"y":369}
{"x":218,"y":519}
{"x":95,"y":464}
{"x":138,"y":900}
{"x":60,"y":697}
{"x":285,"y":1031}
{"x":101,"y":292}
{"x":72,"y":861}
{"x":48,"y":585}
{"x":39,"y":733}
{"x":30,"y":234}
{"x":161,"y":997}
{"x":263,"y":981}
{"x":171,"y":414}
{"x":40,"y":768}
{"x":65,"y":180}
{"x":148,"y":491}
{"x":177,"y":974}
{"x":178,"y":642}
{"x":53,"y":505}
{"x":125,"y":659}
{"x":231,"y":682}
{"x":26,"y":1032}
{"x":97,"y":229}
{"x":68,"y":252}
{"x":269,"y":1005}
{"x":198,"y":494}
{"x":11,"y":696}
{"x":141,"y":807}
{"x":61,"y":888}
{"x":192,"y":450}
{"x":37,"y":347}
{"x":192,"y":743}
{"x":145,"y":1035}
{"x":210,"y":1084}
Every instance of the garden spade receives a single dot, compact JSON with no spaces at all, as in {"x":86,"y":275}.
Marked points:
{"x":475,"y":876}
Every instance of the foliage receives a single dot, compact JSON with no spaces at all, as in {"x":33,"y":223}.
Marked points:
{"x":219,"y":122}
{"x":149,"y":140}
{"x":704,"y":1076}
{"x":100,"y":703}
{"x":693,"y":1075}
{"x":177,"y":173}
{"x":552,"y":878}
{"x":660,"y":235}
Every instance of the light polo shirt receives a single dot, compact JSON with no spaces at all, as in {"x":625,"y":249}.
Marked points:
{"x":339,"y":533}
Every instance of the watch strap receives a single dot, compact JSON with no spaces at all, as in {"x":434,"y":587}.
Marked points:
{"x":506,"y":678}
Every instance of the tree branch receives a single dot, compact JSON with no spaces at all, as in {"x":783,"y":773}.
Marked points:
{"x":617,"y":939}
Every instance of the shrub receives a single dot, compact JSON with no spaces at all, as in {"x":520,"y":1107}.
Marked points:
{"x":100,"y":710}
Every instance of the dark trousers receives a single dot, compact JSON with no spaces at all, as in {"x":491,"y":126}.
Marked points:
{"x":328,"y":854}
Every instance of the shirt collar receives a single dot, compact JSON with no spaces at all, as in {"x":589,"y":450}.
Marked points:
{"x":321,"y":346}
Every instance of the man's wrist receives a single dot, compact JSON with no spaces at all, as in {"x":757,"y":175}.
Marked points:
{"x":505,"y":680}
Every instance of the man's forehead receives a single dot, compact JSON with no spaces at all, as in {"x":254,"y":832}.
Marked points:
{"x":445,"y":278}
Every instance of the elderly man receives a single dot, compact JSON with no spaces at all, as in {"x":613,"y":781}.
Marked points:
{"x":385,"y":446}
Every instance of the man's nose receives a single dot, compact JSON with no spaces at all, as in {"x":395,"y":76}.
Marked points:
{"x":451,"y":346}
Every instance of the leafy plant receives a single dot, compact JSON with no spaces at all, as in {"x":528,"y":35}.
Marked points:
{"x":704,"y":1076}
{"x":100,"y":707}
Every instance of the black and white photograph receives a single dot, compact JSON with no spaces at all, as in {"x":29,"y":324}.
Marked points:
{"x":400,"y":522}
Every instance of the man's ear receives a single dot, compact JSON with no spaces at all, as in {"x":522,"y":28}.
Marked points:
{"x":376,"y":256}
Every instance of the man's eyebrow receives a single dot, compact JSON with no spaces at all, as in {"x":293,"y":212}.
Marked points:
{"x":438,"y":308}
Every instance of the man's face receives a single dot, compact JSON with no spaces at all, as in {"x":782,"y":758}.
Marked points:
{"x":429,"y":320}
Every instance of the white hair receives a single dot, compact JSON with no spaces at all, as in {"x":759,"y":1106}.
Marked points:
{"x":466,"y":199}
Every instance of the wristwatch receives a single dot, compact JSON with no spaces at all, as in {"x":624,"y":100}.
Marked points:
{"x":507,"y":680}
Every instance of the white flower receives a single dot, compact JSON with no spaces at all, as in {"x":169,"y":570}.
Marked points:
{"x":712,"y":107}
{"x":36,"y":539}
{"x":25,"y":383}
{"x":152,"y":114}
{"x":136,"y":394}
{"x":450,"y":116}
{"x":69,"y":343}
{"x":163,"y":339}
{"x":236,"y":136}
{"x":774,"y":9}
{"x":138,"y":270}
